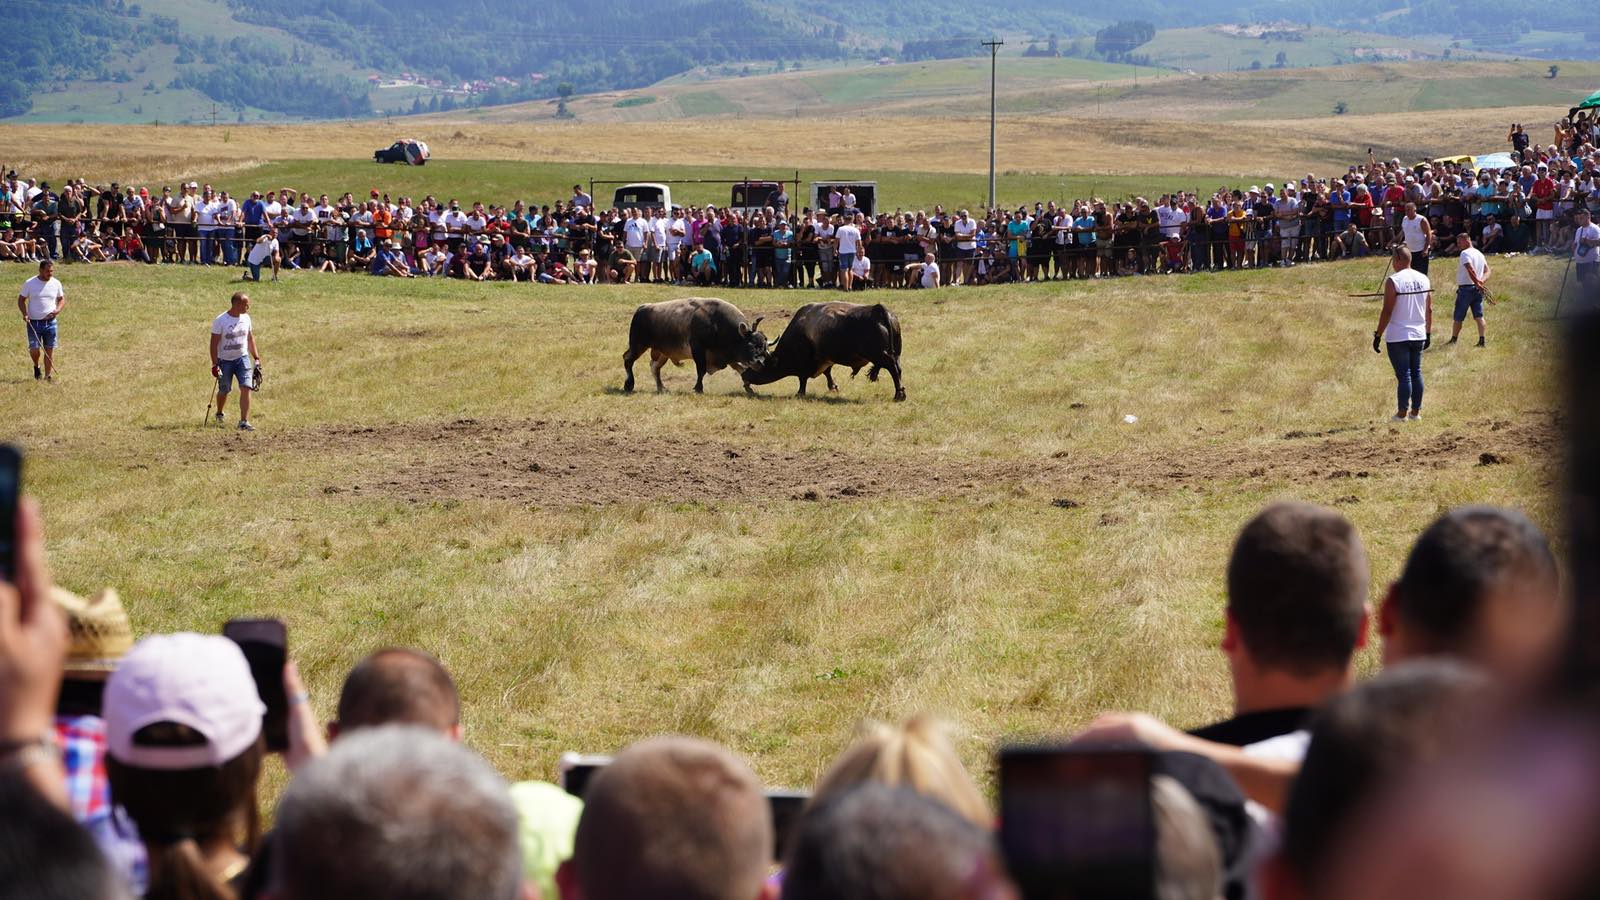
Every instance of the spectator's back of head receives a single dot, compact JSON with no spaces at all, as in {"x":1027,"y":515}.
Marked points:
{"x":1480,"y":585}
{"x":876,"y":842}
{"x":44,"y":855}
{"x":916,"y":754}
{"x":1407,"y":717}
{"x":1188,"y":860}
{"x":398,"y":686}
{"x":1297,"y":589}
{"x":397,"y":812}
{"x":672,"y":817}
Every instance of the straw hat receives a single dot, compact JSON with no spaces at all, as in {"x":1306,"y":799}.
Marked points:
{"x":100,"y":632}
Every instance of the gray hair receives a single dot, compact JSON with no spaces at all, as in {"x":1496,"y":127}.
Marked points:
{"x":397,"y":812}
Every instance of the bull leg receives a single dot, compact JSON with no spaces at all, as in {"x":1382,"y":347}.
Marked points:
{"x":699,"y":354}
{"x":657,"y":360}
{"x":887,"y":361}
{"x":827,"y":373}
{"x":627,"y":365}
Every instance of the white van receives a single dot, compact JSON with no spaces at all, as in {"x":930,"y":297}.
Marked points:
{"x":643,"y":195}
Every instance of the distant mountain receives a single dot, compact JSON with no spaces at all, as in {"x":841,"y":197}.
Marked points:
{"x":120,"y":60}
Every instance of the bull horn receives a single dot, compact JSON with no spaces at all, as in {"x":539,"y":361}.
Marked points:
{"x":757,"y":323}
{"x":772,"y":344}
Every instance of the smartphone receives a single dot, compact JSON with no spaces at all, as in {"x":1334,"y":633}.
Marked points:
{"x":265,"y":643}
{"x":573,"y":771}
{"x":1077,"y":824}
{"x":10,"y":493}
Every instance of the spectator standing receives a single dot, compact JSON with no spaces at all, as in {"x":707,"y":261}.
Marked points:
{"x":1586,"y":255}
{"x":233,"y":348}
{"x":184,"y":751}
{"x":848,"y":236}
{"x":1406,"y":324}
{"x":1417,"y":233}
{"x":1472,"y":274}
{"x":40,"y":301}
{"x":1296,"y":614}
{"x":1286,"y":210}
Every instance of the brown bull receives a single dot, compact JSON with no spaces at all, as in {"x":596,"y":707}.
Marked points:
{"x":712,"y":332}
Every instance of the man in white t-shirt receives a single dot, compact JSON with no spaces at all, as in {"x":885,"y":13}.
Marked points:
{"x":966,"y":230}
{"x":1586,"y":255}
{"x":1406,"y":324}
{"x":233,"y":349}
{"x":41,"y":299}
{"x":924,"y":274}
{"x":265,"y":249}
{"x":1417,"y":232}
{"x":1472,"y":271}
{"x":848,"y":239}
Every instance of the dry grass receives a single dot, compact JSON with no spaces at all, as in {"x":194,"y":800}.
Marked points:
{"x":770,"y":623}
{"x":1077,"y":146}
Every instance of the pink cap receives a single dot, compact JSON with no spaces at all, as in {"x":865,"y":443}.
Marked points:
{"x":201,"y":681}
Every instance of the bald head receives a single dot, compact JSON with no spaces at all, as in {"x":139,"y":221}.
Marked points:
{"x":673,"y":817}
{"x":397,"y":686}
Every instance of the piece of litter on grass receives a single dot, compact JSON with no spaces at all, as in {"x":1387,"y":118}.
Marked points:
{"x":1129,"y":419}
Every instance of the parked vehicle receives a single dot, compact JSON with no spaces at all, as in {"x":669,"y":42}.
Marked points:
{"x":866,"y":195}
{"x":643,"y":195}
{"x":755,"y":196}
{"x":406,"y":150}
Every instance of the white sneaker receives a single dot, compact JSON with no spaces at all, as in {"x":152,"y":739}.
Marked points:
{"x":1397,"y":418}
{"x":1414,"y":417}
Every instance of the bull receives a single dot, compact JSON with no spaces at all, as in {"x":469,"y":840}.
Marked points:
{"x":823,"y":335}
{"x":712,"y":332}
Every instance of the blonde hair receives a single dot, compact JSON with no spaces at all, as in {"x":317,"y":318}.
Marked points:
{"x":916,"y":754}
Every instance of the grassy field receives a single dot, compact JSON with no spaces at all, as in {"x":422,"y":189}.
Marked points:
{"x":1224,"y":48}
{"x":452,"y":466}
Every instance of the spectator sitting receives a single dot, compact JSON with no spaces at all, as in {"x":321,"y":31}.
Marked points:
{"x":915,"y":754}
{"x":585,"y":268}
{"x":672,"y":817}
{"x":415,"y":815}
{"x":877,"y":842}
{"x":476,"y":265}
{"x":394,"y":262}
{"x":702,"y":266}
{"x":361,"y":250}
{"x":435,"y":261}
{"x":1493,"y":236}
{"x":1296,"y":614}
{"x":555,"y":273}
{"x":521,"y":262}
{"x":183,"y":736}
{"x":621,"y":264}
{"x":1350,"y":243}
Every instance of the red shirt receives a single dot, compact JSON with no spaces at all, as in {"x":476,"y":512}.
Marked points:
{"x":1544,"y":192}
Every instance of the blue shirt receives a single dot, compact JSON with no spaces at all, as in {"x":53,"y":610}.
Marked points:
{"x":254,"y":211}
{"x":1341,"y":215}
{"x":1087,"y":237}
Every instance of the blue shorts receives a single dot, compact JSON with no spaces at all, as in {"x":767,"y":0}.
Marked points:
{"x":234,"y":370}
{"x":1468,"y":297}
{"x":41,"y":331}
{"x":846,"y":260}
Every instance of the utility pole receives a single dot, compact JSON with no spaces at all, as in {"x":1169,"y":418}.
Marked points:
{"x":994,"y":55}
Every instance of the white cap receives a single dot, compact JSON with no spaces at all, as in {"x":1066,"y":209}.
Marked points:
{"x":199,"y":681}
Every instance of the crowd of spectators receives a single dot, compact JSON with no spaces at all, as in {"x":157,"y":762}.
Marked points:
{"x":134,"y":767}
{"x":1524,"y":207}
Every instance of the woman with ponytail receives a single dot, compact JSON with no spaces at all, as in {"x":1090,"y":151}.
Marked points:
{"x":184,"y":749}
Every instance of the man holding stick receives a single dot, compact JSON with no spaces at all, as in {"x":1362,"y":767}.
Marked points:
{"x":1472,"y":271}
{"x":233,"y":348}
{"x":41,"y":299}
{"x":1406,"y":324}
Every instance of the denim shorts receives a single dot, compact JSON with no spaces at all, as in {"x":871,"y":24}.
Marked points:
{"x":846,"y":260}
{"x":41,"y":331}
{"x":234,"y":370}
{"x":1468,"y":297}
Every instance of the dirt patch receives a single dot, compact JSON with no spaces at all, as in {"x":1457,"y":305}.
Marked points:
{"x":558,"y":463}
